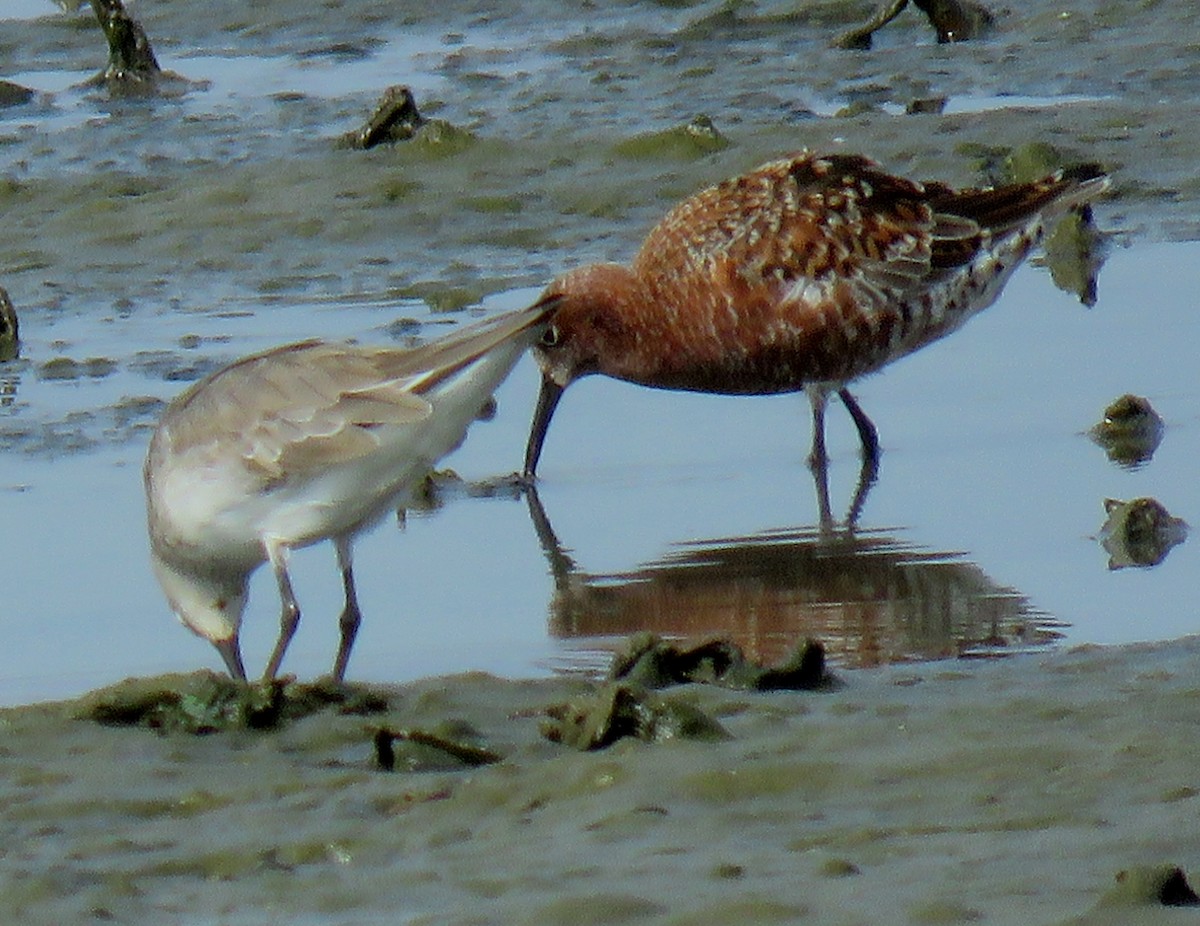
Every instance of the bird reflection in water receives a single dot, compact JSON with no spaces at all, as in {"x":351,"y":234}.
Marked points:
{"x":868,"y":598}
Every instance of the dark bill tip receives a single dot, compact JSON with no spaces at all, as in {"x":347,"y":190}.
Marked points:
{"x":231,"y":653}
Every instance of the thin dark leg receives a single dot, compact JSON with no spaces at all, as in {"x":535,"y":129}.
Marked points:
{"x":818,"y":460}
{"x":289,"y":616}
{"x":866,"y":478}
{"x":866,"y":430}
{"x":351,"y":616}
{"x":817,"y":455}
{"x":820,"y":472}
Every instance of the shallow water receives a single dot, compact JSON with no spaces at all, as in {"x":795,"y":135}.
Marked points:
{"x":147,"y":241}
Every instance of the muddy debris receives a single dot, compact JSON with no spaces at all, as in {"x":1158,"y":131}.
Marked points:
{"x":616,"y":711}
{"x":1074,"y":253}
{"x":650,"y":662}
{"x":1004,"y":164}
{"x":132,"y":67}
{"x":450,"y":746}
{"x":932,"y":105}
{"x":14,"y":94}
{"x":1074,"y":249}
{"x":694,"y":139}
{"x":441,"y":486}
{"x":67,"y":368}
{"x":1130,"y":431}
{"x":130,"y":57}
{"x":10,"y":341}
{"x":396,"y":118}
{"x":206,"y":702}
{"x":1139,"y":533}
{"x":627,"y":705}
{"x":952,"y":20}
{"x":1163,"y":885}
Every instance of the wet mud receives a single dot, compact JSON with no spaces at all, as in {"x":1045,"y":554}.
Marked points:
{"x":1036,"y":790}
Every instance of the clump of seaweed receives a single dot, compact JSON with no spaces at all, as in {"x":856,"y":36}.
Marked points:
{"x":628,"y":706}
{"x":1139,"y":532}
{"x":651,"y":662}
{"x":207,"y":702}
{"x":616,"y":711}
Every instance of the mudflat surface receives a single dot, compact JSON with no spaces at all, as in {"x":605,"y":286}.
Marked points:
{"x":1009,"y":792}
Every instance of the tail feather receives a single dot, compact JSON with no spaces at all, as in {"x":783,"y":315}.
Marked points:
{"x":1001,"y":209}
{"x":446,"y":356}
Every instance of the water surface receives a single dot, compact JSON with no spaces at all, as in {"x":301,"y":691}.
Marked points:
{"x":146,"y":241}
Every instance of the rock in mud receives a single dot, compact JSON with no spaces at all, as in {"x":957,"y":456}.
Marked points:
{"x":396,"y":118}
{"x":1075,"y":252}
{"x":650,"y":662}
{"x":627,"y":707}
{"x":14,"y":94}
{"x":132,"y":68}
{"x":1139,"y":532}
{"x":952,"y":20}
{"x":693,"y":139}
{"x":1074,"y":248}
{"x":616,"y":711}
{"x":452,"y":745}
{"x":207,"y":702}
{"x":1145,"y":887}
{"x":10,"y":341}
{"x":1130,"y":430}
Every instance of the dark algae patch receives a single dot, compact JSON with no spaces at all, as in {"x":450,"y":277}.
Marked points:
{"x":457,"y":744}
{"x":651,"y":662}
{"x":616,"y":711}
{"x":628,"y":705}
{"x":207,"y":702}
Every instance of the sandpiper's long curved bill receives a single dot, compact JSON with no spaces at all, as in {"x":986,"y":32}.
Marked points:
{"x":547,"y":401}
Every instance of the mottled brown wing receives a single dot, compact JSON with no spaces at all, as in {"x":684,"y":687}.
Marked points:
{"x":796,"y":227}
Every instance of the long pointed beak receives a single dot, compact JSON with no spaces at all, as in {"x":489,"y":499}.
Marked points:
{"x":231,"y":652}
{"x":547,"y":401}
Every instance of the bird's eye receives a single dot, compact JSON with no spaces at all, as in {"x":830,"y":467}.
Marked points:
{"x":550,"y":337}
